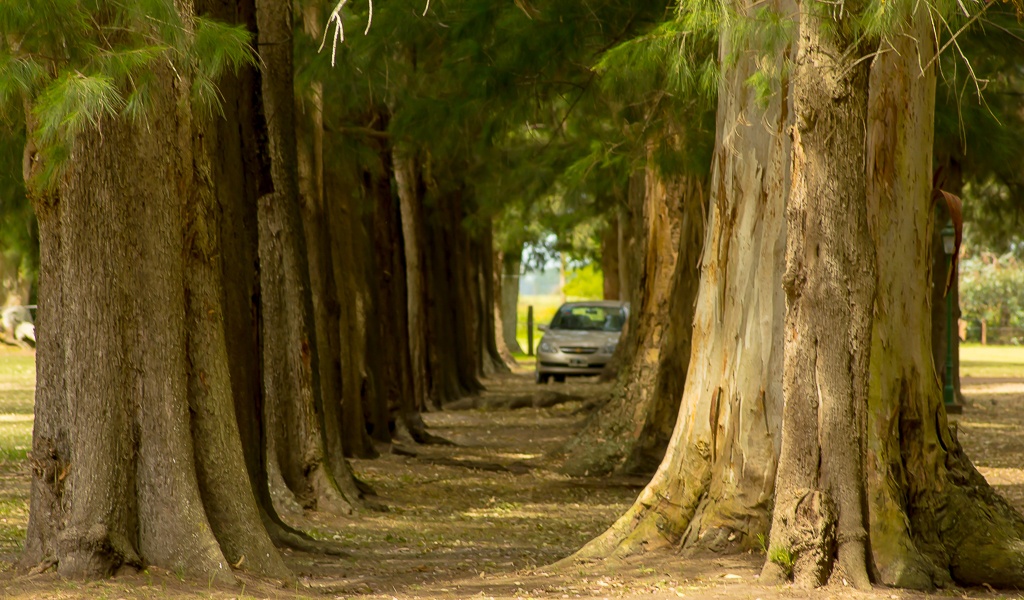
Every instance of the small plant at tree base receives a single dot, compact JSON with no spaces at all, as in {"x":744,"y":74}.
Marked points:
{"x":783,"y":557}
{"x":762,"y":542}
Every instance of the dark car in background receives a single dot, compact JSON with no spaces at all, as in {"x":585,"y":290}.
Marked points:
{"x":580,"y":339}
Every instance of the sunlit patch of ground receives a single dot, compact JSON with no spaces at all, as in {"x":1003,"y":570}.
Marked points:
{"x":484,"y":519}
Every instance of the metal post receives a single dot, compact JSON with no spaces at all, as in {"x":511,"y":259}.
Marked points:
{"x":529,"y":330}
{"x":947,"y":390}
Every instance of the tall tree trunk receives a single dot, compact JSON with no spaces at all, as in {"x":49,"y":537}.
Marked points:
{"x":397,"y":383}
{"x":510,"y":265}
{"x":830,"y":291}
{"x":624,"y":239}
{"x":349,"y":255}
{"x":932,"y":516}
{"x":127,"y":489}
{"x":610,"y":259}
{"x":51,"y":444}
{"x":454,"y":359}
{"x":491,"y":357}
{"x":714,"y":487}
{"x":290,"y":367}
{"x":406,"y":178}
{"x":220,"y":463}
{"x":630,"y":433}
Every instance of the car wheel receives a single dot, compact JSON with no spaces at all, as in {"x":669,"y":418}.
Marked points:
{"x":542,"y":377}
{"x":559,"y":378}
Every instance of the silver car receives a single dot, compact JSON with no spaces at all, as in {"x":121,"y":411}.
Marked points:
{"x":581,"y":339}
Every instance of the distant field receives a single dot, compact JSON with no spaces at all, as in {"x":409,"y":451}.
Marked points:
{"x":991,"y":361}
{"x":544,"y":308}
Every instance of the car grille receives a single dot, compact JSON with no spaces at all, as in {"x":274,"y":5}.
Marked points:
{"x":578,"y":349}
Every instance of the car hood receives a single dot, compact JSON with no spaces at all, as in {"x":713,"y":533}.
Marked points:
{"x":568,"y":337}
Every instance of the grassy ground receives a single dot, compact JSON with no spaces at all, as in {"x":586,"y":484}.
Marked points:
{"x":991,"y":361}
{"x":17,"y":385}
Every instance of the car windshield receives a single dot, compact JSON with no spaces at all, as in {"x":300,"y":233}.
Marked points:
{"x":582,"y":317}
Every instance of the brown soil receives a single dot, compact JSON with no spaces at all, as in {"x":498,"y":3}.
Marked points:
{"x":482,"y":519}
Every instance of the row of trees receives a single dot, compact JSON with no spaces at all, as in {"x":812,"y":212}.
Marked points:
{"x":810,"y":407}
{"x":764,"y":176}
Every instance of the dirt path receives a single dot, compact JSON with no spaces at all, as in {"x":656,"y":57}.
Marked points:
{"x":482,"y":519}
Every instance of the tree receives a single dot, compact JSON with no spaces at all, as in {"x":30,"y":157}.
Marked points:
{"x":830,"y":291}
{"x":130,"y":426}
{"x":713,"y":489}
{"x":911,"y":476}
{"x":294,"y":403}
{"x":631,"y":431}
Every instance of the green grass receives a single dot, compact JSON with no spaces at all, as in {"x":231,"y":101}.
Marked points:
{"x":17,"y":391}
{"x":991,"y":361}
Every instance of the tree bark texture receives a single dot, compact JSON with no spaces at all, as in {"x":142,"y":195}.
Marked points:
{"x":390,"y":248}
{"x":510,"y":266}
{"x":610,"y":259}
{"x":492,"y":360}
{"x":933,"y":518}
{"x":227,"y":492}
{"x":452,"y":293}
{"x":830,"y":283}
{"x":407,"y":182}
{"x":349,"y":244}
{"x":126,"y":493}
{"x":290,"y":366}
{"x":501,"y":322}
{"x":714,"y":488}
{"x":629,"y":433}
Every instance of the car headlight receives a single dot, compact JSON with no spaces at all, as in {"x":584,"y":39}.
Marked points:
{"x":546,"y":346}
{"x":609,"y":349}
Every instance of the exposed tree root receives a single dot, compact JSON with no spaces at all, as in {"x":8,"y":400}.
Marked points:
{"x":660,"y":515}
{"x":516,"y":467}
{"x":544,"y":399}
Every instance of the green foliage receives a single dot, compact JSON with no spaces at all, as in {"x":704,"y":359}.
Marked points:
{"x":584,"y":283}
{"x":19,"y":246}
{"x":979,"y":127}
{"x":992,"y":290}
{"x":76,"y":63}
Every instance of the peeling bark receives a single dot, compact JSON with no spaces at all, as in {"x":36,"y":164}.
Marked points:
{"x":714,"y":487}
{"x":933,"y":518}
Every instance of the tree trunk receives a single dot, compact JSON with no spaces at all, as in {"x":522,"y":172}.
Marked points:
{"x":397,"y":384}
{"x":610,"y":259}
{"x":452,"y":341}
{"x":830,"y":291}
{"x":510,"y":266}
{"x":501,"y":322}
{"x":126,"y":490}
{"x":290,"y":367}
{"x":932,"y":516}
{"x":488,"y":279}
{"x":629,"y":434}
{"x":714,"y":487}
{"x":624,"y":240}
{"x":406,"y":178}
{"x":51,"y":444}
{"x":351,"y":283}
